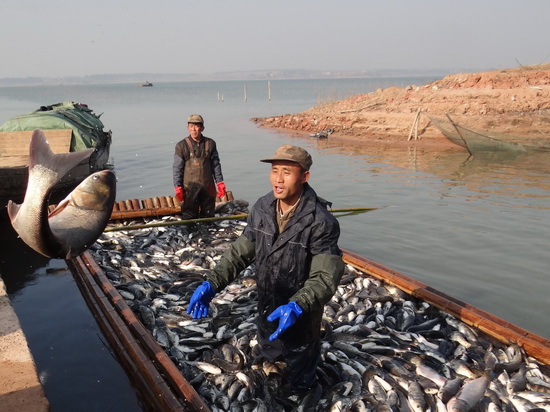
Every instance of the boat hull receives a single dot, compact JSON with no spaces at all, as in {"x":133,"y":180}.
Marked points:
{"x":506,"y":332}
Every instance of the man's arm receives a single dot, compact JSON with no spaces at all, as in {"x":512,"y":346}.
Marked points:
{"x":178,"y":166}
{"x":327,"y":266}
{"x":324,"y":277}
{"x":239,"y":256}
{"x":216,"y":164}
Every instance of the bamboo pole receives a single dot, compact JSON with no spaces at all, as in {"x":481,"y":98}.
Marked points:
{"x":458,"y":132}
{"x":347,"y":211}
{"x":414,"y":127}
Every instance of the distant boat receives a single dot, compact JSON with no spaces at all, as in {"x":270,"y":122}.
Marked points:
{"x":146,"y":84}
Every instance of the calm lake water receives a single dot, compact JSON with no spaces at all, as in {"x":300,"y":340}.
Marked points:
{"x":477,"y":228}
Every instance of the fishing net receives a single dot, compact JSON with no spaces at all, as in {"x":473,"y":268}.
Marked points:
{"x":478,"y":142}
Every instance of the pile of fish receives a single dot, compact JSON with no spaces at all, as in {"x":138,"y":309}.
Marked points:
{"x":382,"y":350}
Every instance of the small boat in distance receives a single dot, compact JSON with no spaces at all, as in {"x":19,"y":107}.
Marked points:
{"x":146,"y":84}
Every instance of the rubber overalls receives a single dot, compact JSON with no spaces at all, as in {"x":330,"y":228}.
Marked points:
{"x":198,"y":182}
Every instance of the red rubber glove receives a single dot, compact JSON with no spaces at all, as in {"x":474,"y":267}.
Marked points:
{"x":179,"y":193}
{"x":221,"y":189}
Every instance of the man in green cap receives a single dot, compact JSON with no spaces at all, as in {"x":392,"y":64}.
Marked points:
{"x":293,"y":240}
{"x":197,"y":172}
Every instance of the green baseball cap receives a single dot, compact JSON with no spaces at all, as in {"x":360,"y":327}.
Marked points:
{"x":195,"y":118}
{"x":291,"y":154}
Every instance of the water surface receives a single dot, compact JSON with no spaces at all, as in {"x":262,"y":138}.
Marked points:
{"x":476,"y":228}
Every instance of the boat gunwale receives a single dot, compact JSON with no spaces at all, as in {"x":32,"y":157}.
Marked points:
{"x":498,"y":328}
{"x":160,"y":382}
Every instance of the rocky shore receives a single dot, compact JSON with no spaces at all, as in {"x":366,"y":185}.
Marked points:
{"x":514,"y":102}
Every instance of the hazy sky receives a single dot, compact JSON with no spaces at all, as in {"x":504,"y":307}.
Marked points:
{"x":60,"y":37}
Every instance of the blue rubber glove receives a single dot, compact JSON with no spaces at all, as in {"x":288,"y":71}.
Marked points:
{"x":287,"y":315}
{"x":198,"y":305}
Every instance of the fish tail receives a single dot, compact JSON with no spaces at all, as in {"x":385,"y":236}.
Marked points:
{"x":41,"y":154}
{"x":13,"y":209}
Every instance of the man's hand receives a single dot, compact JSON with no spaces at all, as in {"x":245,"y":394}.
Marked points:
{"x":287,"y":315}
{"x":221,"y":189}
{"x":198,"y":305}
{"x":179,"y":193}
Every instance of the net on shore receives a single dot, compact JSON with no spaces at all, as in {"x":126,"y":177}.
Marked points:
{"x":480,"y":142}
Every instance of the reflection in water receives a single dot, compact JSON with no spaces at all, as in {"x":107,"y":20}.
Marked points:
{"x":474,"y":227}
{"x":512,"y":174}
{"x":72,"y":359}
{"x":509,"y":174}
{"x":18,"y":262}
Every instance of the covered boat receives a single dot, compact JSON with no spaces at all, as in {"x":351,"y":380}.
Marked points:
{"x":69,"y":127}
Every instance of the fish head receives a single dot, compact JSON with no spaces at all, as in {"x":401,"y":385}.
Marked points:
{"x":81,"y":217}
{"x":96,"y":192}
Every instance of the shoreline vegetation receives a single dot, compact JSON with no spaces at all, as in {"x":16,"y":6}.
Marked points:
{"x":513,"y":102}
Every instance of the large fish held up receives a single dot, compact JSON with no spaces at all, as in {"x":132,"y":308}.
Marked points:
{"x":78,"y":220}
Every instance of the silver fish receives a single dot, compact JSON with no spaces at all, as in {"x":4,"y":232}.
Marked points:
{"x":368,"y":361}
{"x":415,"y":397}
{"x":449,"y":389}
{"x":522,"y":404}
{"x":469,"y":395}
{"x":78,"y":220}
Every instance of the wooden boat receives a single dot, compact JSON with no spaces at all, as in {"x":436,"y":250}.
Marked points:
{"x":154,"y":206}
{"x":68,"y":127}
{"x":162,"y":383}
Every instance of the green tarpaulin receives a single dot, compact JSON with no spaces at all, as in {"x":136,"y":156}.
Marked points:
{"x":87,"y":127}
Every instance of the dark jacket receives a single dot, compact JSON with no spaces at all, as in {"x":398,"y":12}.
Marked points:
{"x":302,"y":264}
{"x":206,"y":147}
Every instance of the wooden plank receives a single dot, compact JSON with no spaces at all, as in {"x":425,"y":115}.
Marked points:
{"x":17,"y":143}
{"x":140,"y":213}
{"x":148,"y":361}
{"x":506,"y":332}
{"x":151,"y":383}
{"x":14,"y":161}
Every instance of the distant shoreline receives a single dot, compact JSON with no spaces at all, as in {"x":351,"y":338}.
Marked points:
{"x":512,"y":104}
{"x":139,"y":78}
